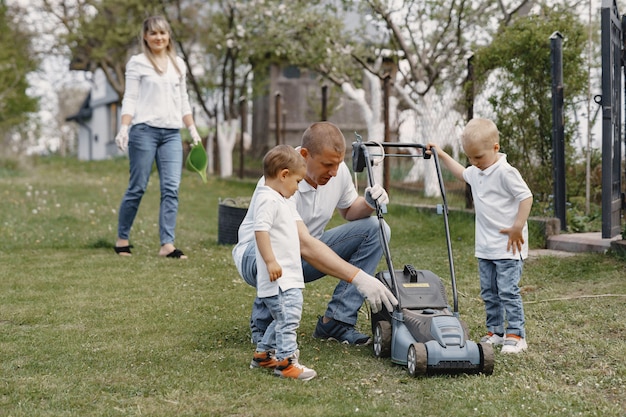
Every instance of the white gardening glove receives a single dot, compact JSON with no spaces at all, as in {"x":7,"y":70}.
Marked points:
{"x":122,"y":138}
{"x":374,"y":292}
{"x":195,"y":137}
{"x":376,"y":193}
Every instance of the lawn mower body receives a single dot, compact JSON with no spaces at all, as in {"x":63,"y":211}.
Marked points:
{"x":423,"y":333}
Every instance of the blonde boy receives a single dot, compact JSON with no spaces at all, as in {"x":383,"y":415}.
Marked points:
{"x":502,"y":202}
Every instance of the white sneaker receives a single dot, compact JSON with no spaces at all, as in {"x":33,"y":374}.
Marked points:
{"x":514,"y":344}
{"x":492,"y":339}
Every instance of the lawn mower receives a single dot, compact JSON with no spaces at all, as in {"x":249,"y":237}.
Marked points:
{"x":423,"y":332}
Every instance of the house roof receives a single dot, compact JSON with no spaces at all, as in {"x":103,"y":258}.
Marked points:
{"x":84,"y":112}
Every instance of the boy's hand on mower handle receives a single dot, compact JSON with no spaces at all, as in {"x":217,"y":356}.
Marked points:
{"x":374,"y":292}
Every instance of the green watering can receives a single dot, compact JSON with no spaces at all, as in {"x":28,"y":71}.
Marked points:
{"x":197,"y":161}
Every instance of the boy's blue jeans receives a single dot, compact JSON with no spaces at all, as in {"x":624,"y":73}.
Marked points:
{"x":499,"y":289}
{"x":357,"y":242}
{"x":147,"y":145}
{"x":286,"y":310}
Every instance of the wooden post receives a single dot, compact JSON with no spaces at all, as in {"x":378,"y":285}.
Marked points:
{"x":324,"y":103}
{"x":243,"y":115}
{"x":277,"y":117}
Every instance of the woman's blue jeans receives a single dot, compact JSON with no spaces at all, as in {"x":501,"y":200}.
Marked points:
{"x":499,"y":289}
{"x":357,"y":242}
{"x":146,"y":145}
{"x":286,"y":310}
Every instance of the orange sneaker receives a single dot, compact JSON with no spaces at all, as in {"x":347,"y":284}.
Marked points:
{"x":263,"y":360}
{"x":290,"y":368}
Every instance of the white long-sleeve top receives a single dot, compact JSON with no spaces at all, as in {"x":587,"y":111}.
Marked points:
{"x":153,"y":99}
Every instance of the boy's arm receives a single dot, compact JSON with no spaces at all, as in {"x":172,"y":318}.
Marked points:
{"x":516,"y":238}
{"x":453,"y":166}
{"x":265,"y":249}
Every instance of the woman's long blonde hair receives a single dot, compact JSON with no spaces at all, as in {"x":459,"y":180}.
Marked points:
{"x":158,"y":23}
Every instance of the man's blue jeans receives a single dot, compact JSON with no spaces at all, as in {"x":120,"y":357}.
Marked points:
{"x":357,"y":242}
{"x":286,"y":309}
{"x":147,"y":145}
{"x":499,"y":289}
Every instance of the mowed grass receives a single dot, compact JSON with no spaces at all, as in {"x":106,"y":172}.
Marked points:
{"x":84,"y":332}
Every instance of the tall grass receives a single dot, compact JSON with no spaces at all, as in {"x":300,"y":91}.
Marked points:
{"x":84,"y":332}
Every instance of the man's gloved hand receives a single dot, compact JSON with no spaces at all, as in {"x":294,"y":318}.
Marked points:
{"x":376,"y":193}
{"x":121,"y":139}
{"x":195,"y":137}
{"x":374,"y":292}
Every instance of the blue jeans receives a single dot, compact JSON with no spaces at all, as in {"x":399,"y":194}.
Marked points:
{"x":286,"y":310}
{"x":146,"y":145}
{"x":357,"y":242}
{"x":499,"y":289}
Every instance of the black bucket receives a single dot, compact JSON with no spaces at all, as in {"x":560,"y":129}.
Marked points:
{"x":230,"y":215}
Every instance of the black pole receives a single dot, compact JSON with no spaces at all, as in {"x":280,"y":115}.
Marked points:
{"x":386,"y":163}
{"x":558,"y":128}
{"x":469,"y":101}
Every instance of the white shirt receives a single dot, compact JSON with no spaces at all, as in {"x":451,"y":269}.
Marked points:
{"x":497,"y":192}
{"x":313,"y":206}
{"x":316,"y":206}
{"x":153,"y":99}
{"x":272,"y":213}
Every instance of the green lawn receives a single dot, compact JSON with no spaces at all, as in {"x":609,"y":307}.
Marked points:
{"x":84,"y":332}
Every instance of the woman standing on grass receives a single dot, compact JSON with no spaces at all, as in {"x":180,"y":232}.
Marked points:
{"x":157,"y":104}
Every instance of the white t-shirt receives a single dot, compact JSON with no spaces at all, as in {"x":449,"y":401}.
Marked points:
{"x":272,"y":213}
{"x":153,"y":99}
{"x":313,"y":206}
{"x":497,"y":193}
{"x":316,"y":206}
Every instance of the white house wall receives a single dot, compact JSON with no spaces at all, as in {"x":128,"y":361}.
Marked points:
{"x":96,"y":136}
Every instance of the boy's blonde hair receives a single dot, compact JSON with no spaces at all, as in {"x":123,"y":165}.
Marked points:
{"x":282,"y":157}
{"x":158,"y":23}
{"x":482,"y":131}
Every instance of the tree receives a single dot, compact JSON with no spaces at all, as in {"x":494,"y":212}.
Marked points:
{"x":16,"y":62}
{"x":514,"y":72}
{"x":428,"y":42}
{"x":222,"y":42}
{"x":249,"y":36}
{"x":96,"y":38}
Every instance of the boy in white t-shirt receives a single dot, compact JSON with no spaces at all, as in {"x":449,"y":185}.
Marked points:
{"x":279,"y":274}
{"x":502,"y":202}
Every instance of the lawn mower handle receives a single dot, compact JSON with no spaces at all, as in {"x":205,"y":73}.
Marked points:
{"x":363,"y":157}
{"x":361,"y":160}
